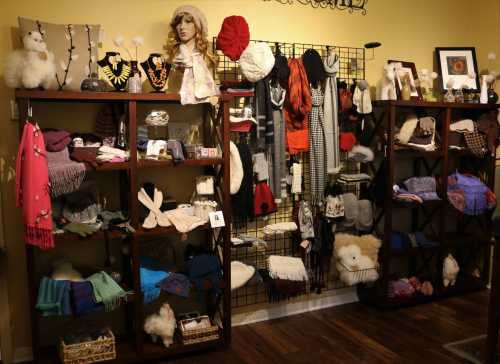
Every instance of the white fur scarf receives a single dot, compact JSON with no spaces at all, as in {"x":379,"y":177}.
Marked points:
{"x":288,"y":268}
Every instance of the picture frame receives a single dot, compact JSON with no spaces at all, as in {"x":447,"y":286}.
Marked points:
{"x":410,"y":69}
{"x":458,"y":63}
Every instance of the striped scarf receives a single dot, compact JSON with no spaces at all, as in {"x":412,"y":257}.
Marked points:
{"x":298,"y":104}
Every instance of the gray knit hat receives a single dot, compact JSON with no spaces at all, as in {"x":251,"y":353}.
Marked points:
{"x":350,"y":209}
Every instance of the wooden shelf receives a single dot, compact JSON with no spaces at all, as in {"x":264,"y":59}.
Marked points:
{"x":121,"y":166}
{"x":165,"y":230}
{"x":111,"y":96}
{"x":97,"y":236}
{"x":403,"y":152}
{"x":439,"y":105}
{"x":146,"y":163}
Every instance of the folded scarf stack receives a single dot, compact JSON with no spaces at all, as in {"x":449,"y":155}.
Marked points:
{"x":113,"y":155}
{"x":106,"y":290}
{"x":65,"y":175}
{"x":54,"y":297}
{"x":83,"y":298}
{"x":177,"y":284}
{"x":149,"y":283}
{"x":286,"y":278}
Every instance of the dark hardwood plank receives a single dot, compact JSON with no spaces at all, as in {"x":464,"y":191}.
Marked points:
{"x":357,"y":333}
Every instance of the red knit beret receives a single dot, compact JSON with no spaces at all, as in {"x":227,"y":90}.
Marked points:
{"x":233,"y":37}
{"x":347,"y":141}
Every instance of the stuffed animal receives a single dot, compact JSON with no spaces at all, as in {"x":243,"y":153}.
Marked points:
{"x":64,"y":271}
{"x":387,"y":84}
{"x":32,"y":66}
{"x":450,"y":271}
{"x":356,"y":258}
{"x":162,"y":324}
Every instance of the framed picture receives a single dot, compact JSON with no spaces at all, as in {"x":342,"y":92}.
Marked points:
{"x":407,"y":69}
{"x":459,"y":65}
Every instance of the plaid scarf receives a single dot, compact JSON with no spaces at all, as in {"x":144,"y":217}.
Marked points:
{"x":106,"y":290}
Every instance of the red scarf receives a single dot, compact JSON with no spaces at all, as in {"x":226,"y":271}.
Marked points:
{"x":32,"y":188}
{"x":298,"y":105}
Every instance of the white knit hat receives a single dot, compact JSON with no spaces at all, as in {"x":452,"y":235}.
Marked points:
{"x":256,"y":61}
{"x":199,"y":18}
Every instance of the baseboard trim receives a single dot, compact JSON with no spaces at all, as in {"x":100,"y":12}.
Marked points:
{"x":23,"y":355}
{"x":273,"y":311}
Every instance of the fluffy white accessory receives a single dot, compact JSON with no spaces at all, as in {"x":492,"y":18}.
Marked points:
{"x":279,"y":228}
{"x":355,"y":267}
{"x":240,"y":274}
{"x":288,"y":268}
{"x":450,"y":271}
{"x":387,"y":87}
{"x":64,"y":271}
{"x":256,"y":61}
{"x":162,"y":324}
{"x":407,"y":129}
{"x":32,"y":66}
{"x":361,"y":149}
{"x":236,"y":168}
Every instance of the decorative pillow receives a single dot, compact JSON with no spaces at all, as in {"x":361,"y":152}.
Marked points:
{"x":74,"y":47}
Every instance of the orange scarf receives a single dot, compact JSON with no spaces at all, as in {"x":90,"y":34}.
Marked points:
{"x":298,"y":105}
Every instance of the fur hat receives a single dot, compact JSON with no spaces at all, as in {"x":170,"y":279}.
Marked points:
{"x":360,"y":153}
{"x":347,"y":141}
{"x":233,"y":37}
{"x":256,"y":61}
{"x":199,"y":18}
{"x":240,"y":274}
{"x":236,"y":168}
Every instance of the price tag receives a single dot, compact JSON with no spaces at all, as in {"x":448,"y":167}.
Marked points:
{"x":216,"y":219}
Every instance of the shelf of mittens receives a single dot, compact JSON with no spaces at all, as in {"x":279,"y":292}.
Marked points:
{"x":430,"y":104}
{"x":146,"y":163}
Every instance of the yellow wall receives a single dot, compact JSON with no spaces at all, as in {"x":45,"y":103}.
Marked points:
{"x":408,"y":30}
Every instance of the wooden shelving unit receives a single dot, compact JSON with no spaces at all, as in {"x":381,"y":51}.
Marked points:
{"x":439,"y":163}
{"x":134,"y":347}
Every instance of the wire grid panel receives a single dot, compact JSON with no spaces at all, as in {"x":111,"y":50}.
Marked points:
{"x":351,"y":68}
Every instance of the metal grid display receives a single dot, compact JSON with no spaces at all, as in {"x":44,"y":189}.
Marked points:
{"x":352,"y":68}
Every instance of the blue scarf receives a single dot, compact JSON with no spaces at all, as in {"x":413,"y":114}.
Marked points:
{"x":149,"y":280}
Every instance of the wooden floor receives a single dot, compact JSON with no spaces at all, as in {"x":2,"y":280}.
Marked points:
{"x":356,"y":333}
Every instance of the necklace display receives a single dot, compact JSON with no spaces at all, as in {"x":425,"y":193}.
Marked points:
{"x":157,"y":70}
{"x":116,"y":69}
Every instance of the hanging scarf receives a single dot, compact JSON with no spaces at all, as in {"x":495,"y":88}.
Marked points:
{"x":198,"y":84}
{"x":263,"y":134}
{"x":317,"y":160}
{"x":278,"y":157}
{"x":53,"y":297}
{"x":330,"y":110}
{"x":106,"y":290}
{"x":149,"y":280}
{"x":297,"y":107}
{"x":32,"y":188}
{"x":83,"y":298}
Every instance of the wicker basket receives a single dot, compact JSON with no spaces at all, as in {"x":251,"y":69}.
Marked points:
{"x":89,"y":351}
{"x":193,"y":336}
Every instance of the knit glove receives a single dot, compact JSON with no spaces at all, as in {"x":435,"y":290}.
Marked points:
{"x":83,"y":230}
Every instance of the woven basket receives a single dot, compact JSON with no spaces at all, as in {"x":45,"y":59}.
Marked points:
{"x":193,"y":336}
{"x":89,"y":351}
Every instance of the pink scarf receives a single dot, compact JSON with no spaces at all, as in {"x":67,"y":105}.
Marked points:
{"x":32,"y":187}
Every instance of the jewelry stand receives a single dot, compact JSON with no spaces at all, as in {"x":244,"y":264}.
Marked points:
{"x":157,"y":70}
{"x":116,"y":69}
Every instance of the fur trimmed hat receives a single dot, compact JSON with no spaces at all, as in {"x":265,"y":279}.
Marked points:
{"x":233,"y":37}
{"x":199,"y":18}
{"x":236,"y":168}
{"x":256,"y":61}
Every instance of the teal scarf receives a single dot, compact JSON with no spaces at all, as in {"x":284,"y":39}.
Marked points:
{"x":106,"y":290}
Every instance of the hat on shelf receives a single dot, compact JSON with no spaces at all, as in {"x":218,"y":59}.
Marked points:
{"x":347,"y":141}
{"x":233,"y":37}
{"x":256,"y":61}
{"x":199,"y":18}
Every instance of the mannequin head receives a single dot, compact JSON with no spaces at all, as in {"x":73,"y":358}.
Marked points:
{"x":189,"y":26}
